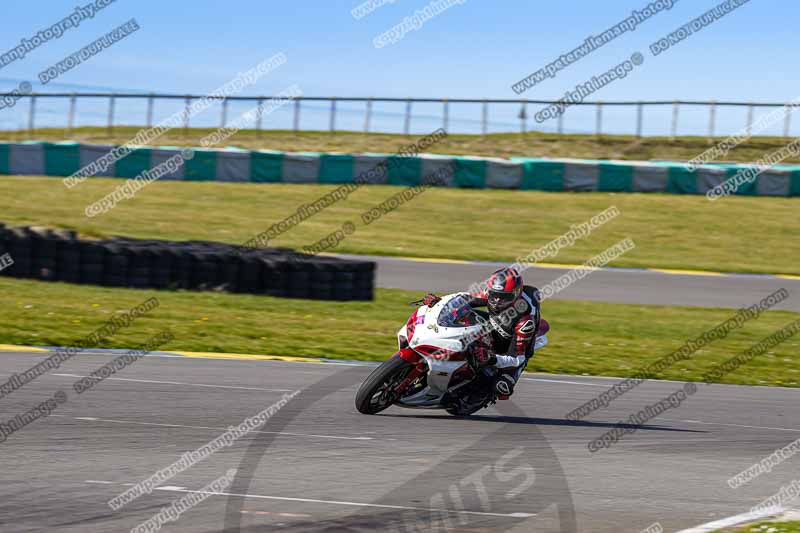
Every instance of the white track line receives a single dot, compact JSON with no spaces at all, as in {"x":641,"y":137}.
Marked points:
{"x":133,"y":422}
{"x":178,"y":383}
{"x":567,"y":382}
{"x":330,"y":502}
{"x":268,"y":513}
{"x":329,"y":362}
{"x":727,"y":424}
{"x":353,"y":504}
{"x":671,"y":442}
{"x":731,"y":521}
{"x":353,"y":362}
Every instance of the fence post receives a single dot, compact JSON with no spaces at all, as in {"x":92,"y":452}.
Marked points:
{"x":599,"y":122}
{"x":787,"y":120}
{"x":71,"y":119}
{"x":674,"y":131}
{"x":712,"y":105}
{"x":407,"y":124}
{"x":31,"y":116}
{"x":150,"y":110}
{"x":188,"y":102}
{"x":639,"y":119}
{"x":332,"y":125}
{"x":260,"y":117}
{"x":712,"y":121}
{"x":224,"y":119}
{"x":368,"y":115}
{"x":484,"y":117}
{"x":111,"y":101}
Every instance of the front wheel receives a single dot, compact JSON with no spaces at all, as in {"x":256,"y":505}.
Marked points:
{"x":376,"y":393}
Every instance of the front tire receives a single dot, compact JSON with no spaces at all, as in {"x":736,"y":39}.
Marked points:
{"x":375,"y":393}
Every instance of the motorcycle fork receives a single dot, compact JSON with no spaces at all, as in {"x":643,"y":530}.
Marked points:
{"x":419,"y":370}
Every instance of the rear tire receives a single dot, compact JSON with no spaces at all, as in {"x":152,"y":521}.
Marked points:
{"x":458,"y":411}
{"x":389,"y":373}
{"x":462,"y":408}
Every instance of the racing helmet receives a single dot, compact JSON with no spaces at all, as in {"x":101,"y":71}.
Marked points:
{"x":503,"y":289}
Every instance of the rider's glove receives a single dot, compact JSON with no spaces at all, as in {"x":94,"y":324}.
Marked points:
{"x":484,"y":356}
{"x":430,"y":300}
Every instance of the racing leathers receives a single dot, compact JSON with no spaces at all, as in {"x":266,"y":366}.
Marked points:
{"x":513,"y":334}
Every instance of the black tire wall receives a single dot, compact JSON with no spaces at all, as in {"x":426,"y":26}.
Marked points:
{"x":58,"y":255}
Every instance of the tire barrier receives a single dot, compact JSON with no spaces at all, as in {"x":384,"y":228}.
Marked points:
{"x":58,"y":255}
{"x":524,"y":173}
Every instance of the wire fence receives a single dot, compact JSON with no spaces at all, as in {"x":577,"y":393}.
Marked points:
{"x":359,"y":114}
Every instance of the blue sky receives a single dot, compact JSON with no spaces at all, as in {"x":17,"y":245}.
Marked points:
{"x":476,"y":49}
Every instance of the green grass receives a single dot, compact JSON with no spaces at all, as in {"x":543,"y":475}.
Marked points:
{"x":738,"y":234}
{"x":764,"y":527}
{"x":496,"y":144}
{"x":587,"y":337}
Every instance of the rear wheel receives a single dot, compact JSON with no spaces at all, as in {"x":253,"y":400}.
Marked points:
{"x":465,"y":410}
{"x":470,"y":401}
{"x":376,"y":393}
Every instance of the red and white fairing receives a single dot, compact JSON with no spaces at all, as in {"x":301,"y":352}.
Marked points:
{"x":441,"y":348}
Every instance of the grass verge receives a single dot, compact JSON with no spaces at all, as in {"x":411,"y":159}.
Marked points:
{"x":533,"y":144}
{"x":682,"y":232}
{"x":587,"y":338}
{"x":766,"y":527}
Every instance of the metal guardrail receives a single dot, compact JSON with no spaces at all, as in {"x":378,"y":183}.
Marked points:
{"x":369,"y":101}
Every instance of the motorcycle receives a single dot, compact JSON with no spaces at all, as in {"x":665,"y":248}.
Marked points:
{"x":434,"y":367}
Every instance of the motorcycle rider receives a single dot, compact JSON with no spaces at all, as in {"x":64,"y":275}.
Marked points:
{"x":513,"y":324}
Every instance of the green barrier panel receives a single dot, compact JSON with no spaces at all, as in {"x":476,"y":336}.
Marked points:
{"x":266,"y":167}
{"x":746,"y":188}
{"x":470,"y":173}
{"x":613,"y":177}
{"x":4,"y":159}
{"x":335,"y":168}
{"x":202,"y":167}
{"x":543,"y":175}
{"x":680,"y":180}
{"x":133,"y":164}
{"x":61,"y":159}
{"x":406,"y":171}
{"x":794,"y":187}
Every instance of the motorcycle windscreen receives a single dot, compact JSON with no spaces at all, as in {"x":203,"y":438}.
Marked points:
{"x":457,"y":314}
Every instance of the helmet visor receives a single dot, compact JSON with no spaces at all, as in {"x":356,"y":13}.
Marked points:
{"x":500,"y":300}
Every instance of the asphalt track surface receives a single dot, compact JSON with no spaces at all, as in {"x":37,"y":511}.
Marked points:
{"x":604,"y":285}
{"x":318,"y":465}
